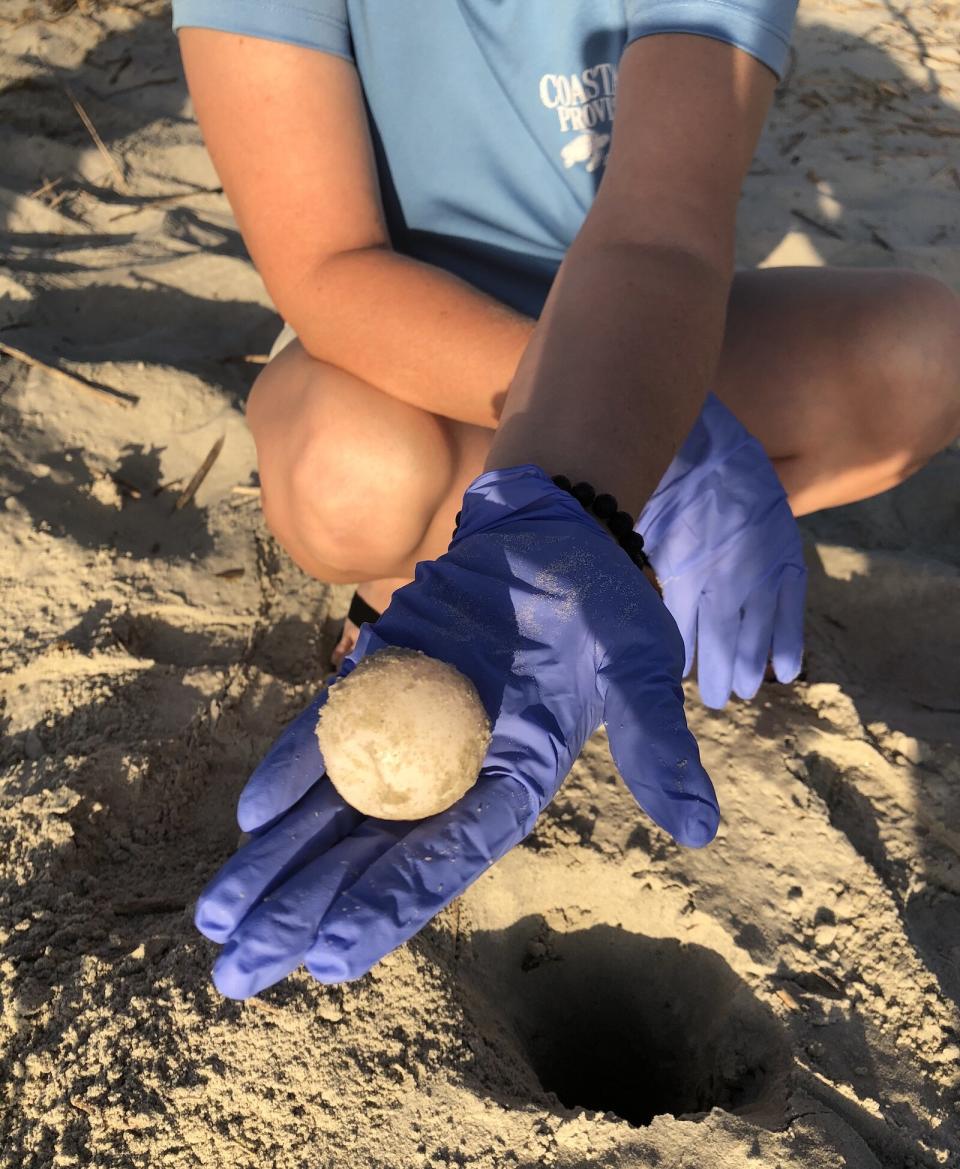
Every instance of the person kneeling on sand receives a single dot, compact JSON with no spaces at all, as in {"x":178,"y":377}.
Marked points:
{"x":508,"y":321}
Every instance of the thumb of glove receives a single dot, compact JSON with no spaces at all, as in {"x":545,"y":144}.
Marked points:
{"x":656,"y":754}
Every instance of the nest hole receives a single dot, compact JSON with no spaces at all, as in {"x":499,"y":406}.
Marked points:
{"x":612,"y":1021}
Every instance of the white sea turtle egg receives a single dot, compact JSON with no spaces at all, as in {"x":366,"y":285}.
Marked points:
{"x":403,"y":735}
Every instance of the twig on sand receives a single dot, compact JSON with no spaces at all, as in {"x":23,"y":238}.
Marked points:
{"x":793,"y":141}
{"x":243,"y":489}
{"x":261,"y":1005}
{"x":787,"y":999}
{"x":57,"y":200}
{"x":117,"y":397}
{"x":250,"y":358}
{"x":824,"y":227}
{"x":127,"y":488}
{"x":47,"y":186}
{"x":159,"y":200}
{"x":97,"y":140}
{"x":200,"y":474}
{"x":917,"y":125}
{"x":877,"y":237}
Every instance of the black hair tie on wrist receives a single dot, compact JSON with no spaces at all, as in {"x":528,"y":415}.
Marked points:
{"x":620,"y":523}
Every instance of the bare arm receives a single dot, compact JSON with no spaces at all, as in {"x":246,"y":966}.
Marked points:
{"x":273,"y":116}
{"x":638,"y":307}
{"x":621,"y":359}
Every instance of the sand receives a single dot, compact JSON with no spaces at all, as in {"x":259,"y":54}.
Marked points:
{"x":785,"y":998}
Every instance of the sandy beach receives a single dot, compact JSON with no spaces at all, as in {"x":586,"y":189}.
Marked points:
{"x":784,"y":999}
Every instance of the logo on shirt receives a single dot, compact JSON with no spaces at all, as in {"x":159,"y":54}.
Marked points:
{"x":584,"y":102}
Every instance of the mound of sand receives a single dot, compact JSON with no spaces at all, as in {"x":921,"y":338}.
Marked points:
{"x":785,"y":998}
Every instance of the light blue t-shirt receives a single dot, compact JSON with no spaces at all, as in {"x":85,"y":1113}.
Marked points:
{"x":491,"y":119}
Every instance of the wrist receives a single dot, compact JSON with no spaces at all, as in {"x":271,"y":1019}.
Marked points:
{"x":524,"y":489}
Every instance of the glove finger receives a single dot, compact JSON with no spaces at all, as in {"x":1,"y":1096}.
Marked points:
{"x":658,"y":756}
{"x":755,"y":640}
{"x":291,"y":766}
{"x":272,"y":941}
{"x":682,"y":601}
{"x":421,"y":874}
{"x":718,"y":629}
{"x":788,"y":628}
{"x":316,"y":824}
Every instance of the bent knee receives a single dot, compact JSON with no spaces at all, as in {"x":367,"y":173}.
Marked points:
{"x":309,"y":545}
{"x":351,"y":478}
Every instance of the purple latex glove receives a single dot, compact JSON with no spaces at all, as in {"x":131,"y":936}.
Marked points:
{"x":541,"y":608}
{"x":726,"y":549}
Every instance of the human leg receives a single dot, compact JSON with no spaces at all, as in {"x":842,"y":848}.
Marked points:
{"x":850,"y":378}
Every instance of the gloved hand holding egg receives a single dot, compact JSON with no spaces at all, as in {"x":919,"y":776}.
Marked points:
{"x":557,"y":630}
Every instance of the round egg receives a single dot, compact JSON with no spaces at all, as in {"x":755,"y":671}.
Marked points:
{"x":403,"y":735}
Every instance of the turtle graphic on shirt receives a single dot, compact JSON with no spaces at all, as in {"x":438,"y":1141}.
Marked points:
{"x":588,"y":148}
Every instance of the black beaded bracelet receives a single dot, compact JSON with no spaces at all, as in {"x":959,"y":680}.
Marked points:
{"x":620,"y":523}
{"x":606,"y":508}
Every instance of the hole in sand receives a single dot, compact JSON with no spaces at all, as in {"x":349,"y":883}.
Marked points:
{"x":617,"y":1022}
